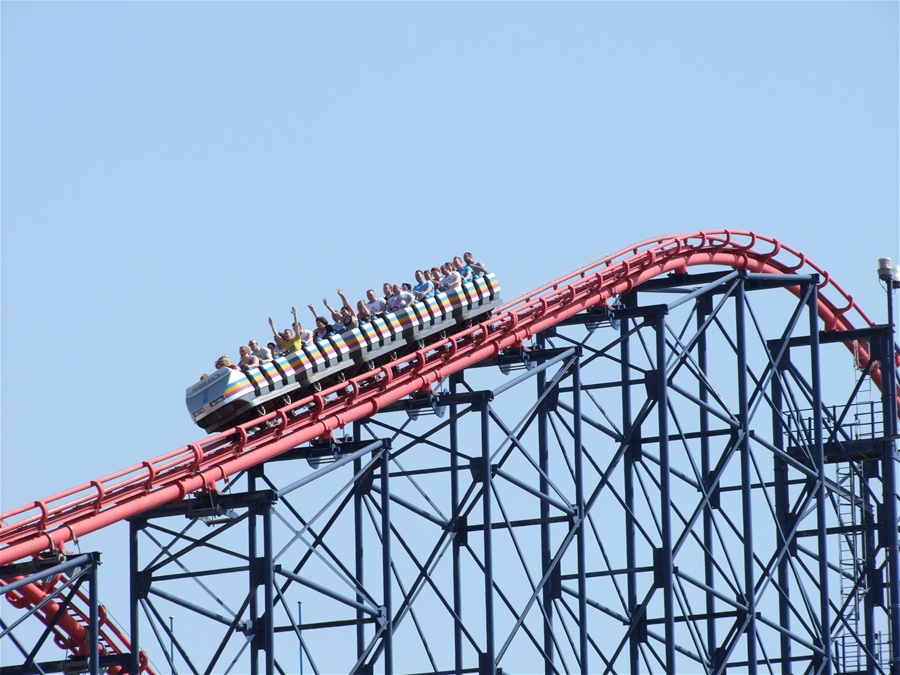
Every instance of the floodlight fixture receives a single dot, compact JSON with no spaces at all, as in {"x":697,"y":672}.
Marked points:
{"x":888,"y":272}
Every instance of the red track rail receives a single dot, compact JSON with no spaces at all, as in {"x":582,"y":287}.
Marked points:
{"x":49,"y":523}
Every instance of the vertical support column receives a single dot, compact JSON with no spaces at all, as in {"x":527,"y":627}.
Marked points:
{"x":359,"y":567}
{"x":94,"y":620}
{"x":580,"y":515}
{"x":458,"y":532}
{"x":269,"y":590}
{"x":665,"y":564}
{"x":746,"y":472}
{"x":821,"y":492}
{"x":134,"y":528}
{"x":253,"y":609}
{"x":489,"y":660}
{"x":544,"y":487}
{"x":631,"y":452}
{"x":704,"y":309}
{"x":869,"y":551}
{"x":386,"y":561}
{"x":782,"y":509}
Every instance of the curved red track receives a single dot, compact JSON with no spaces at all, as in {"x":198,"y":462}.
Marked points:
{"x":49,"y":523}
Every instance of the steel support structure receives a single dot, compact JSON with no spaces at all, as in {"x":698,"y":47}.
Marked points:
{"x":646,"y":489}
{"x":59,"y":581}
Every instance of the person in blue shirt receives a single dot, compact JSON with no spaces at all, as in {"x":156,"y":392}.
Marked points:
{"x":478,"y":268}
{"x":423,"y":288}
{"x":465,"y":272}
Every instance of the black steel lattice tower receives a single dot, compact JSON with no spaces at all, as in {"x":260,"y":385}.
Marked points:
{"x":697,"y":480}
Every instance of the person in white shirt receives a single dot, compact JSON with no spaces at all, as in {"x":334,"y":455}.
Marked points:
{"x":262,"y":353}
{"x":375,"y":304}
{"x":451,"y":278}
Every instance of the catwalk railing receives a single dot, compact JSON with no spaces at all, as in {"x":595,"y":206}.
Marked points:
{"x":48,"y":524}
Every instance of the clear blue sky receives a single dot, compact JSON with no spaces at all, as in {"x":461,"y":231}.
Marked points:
{"x":174,"y":173}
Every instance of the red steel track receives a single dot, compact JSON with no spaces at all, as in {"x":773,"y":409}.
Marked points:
{"x":48,"y":524}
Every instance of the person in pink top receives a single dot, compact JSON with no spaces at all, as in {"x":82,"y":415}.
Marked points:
{"x":399,"y":298}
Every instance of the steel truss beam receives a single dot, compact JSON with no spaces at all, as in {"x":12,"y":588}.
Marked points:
{"x":682,"y":484}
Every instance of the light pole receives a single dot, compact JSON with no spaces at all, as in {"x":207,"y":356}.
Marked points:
{"x":890,"y":275}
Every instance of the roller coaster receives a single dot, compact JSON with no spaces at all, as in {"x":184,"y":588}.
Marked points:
{"x":231,"y":395}
{"x":746,"y":523}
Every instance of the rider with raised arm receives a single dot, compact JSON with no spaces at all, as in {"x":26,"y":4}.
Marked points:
{"x":291,"y":341}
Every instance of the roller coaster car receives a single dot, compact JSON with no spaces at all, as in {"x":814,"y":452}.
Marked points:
{"x":229,"y":397}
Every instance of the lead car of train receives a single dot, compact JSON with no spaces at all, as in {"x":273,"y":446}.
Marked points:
{"x":229,"y":397}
